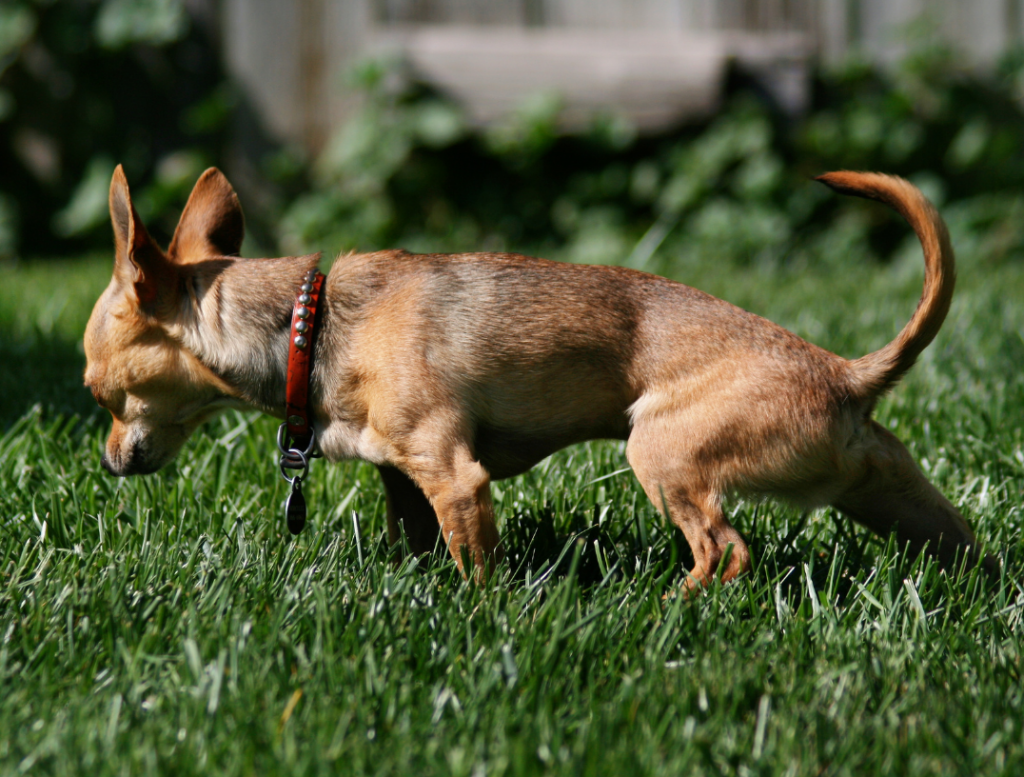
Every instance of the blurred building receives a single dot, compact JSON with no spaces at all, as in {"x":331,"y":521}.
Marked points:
{"x":655,"y":62}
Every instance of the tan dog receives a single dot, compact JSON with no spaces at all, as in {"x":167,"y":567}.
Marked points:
{"x":450,"y":371}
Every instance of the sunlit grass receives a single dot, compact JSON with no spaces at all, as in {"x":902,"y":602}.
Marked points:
{"x":170,"y":624}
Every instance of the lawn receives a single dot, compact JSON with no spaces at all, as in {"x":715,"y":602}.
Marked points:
{"x":170,"y":624}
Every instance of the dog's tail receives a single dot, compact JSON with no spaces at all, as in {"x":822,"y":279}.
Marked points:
{"x":877,"y":372}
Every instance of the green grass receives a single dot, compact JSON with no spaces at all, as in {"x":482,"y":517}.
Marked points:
{"x":169,"y":624}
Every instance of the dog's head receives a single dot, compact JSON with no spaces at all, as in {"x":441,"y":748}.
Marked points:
{"x":136,"y":366}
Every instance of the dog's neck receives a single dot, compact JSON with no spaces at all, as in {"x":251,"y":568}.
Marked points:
{"x":237,"y":322}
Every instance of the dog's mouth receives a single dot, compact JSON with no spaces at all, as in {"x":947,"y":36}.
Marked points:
{"x":136,"y":463}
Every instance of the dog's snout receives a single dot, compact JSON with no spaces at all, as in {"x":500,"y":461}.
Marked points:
{"x":125,"y":463}
{"x":105,"y":463}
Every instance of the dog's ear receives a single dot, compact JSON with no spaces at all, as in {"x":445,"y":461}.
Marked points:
{"x":211,"y":224}
{"x":138,"y":260}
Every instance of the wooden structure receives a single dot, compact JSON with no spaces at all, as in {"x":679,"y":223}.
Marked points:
{"x":655,"y":62}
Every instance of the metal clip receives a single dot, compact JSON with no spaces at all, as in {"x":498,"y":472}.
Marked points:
{"x":295,"y":459}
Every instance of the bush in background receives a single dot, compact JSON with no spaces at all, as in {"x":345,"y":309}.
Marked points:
{"x":85,"y":85}
{"x":408,"y":170}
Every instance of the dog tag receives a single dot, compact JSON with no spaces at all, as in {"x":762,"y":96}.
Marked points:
{"x":295,"y":508}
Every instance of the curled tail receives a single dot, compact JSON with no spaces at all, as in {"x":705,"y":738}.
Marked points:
{"x":875,"y":373}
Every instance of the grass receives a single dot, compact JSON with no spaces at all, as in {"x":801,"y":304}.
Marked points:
{"x":169,"y":624}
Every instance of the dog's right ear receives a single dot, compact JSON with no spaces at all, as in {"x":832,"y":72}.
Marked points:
{"x":211,"y":224}
{"x":138,"y":260}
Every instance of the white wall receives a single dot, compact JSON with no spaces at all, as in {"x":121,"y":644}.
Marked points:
{"x":289,"y":54}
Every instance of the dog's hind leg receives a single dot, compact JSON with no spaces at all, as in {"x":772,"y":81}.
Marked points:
{"x":675,"y":486}
{"x":408,"y":509}
{"x":892,"y":493}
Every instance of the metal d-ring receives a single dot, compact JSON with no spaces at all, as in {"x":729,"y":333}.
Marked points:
{"x":293,"y":458}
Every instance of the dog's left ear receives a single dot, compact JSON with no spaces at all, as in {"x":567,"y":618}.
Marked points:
{"x":211,"y":224}
{"x":138,"y":261}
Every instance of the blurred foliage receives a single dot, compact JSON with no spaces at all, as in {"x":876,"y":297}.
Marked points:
{"x":86,"y":84}
{"x":408,"y":170}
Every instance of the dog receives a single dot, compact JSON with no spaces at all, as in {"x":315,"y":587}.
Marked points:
{"x":450,"y":371}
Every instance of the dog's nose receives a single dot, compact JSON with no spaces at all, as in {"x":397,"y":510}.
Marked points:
{"x":105,"y":463}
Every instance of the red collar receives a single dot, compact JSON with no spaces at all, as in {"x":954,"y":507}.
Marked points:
{"x":295,"y":438}
{"x":300,"y":358}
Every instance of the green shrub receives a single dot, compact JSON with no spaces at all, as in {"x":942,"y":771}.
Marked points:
{"x":409,"y":170}
{"x":85,"y":85}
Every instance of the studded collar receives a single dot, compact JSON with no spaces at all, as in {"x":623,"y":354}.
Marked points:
{"x":300,"y":358}
{"x":296,"y":439}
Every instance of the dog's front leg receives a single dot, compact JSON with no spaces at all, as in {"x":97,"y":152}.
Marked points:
{"x":409,"y":511}
{"x":459,"y":490}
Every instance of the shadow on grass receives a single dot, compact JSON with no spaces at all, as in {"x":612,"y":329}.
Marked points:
{"x":43,"y":370}
{"x":536,"y":545}
{"x":44,"y":307}
{"x":533,"y":546}
{"x":624,"y":546}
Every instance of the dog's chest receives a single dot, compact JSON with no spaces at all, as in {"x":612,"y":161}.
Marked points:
{"x":342,"y":440}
